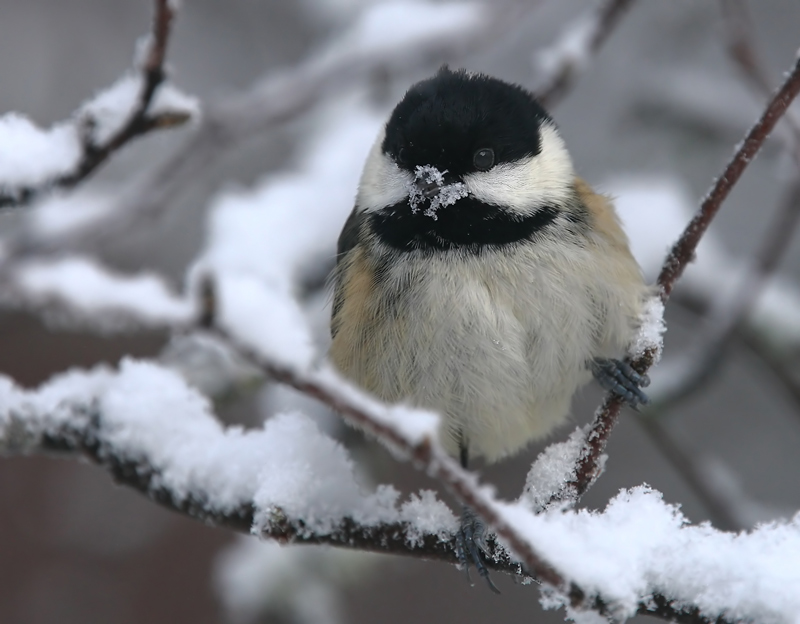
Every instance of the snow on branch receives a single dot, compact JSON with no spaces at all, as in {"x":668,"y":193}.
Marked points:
{"x":570,"y":55}
{"x":288,"y":482}
{"x":169,"y":445}
{"x":387,"y":39}
{"x":33,"y":160}
{"x":83,"y":291}
{"x":591,"y":458}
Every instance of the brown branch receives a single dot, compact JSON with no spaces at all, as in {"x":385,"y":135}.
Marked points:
{"x":561,"y":81}
{"x":424,"y":454}
{"x":725,"y":319}
{"x":88,"y":439}
{"x":683,"y":250}
{"x":140,"y":121}
{"x":606,"y":417}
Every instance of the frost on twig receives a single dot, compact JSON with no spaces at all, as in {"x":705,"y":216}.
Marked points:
{"x":728,"y":313}
{"x":34,"y":160}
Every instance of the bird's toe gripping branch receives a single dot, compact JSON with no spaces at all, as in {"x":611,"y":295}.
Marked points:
{"x":471,"y":546}
{"x":619,"y":377}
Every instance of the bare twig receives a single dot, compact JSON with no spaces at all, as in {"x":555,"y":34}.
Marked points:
{"x":726,"y":317}
{"x":742,"y":50}
{"x":683,"y":250}
{"x":739,"y":34}
{"x":587,"y":35}
{"x":778,"y":365}
{"x":588,"y":467}
{"x":140,"y":122}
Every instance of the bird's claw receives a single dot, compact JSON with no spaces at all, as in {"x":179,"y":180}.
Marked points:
{"x":471,"y":546}
{"x":619,"y":377}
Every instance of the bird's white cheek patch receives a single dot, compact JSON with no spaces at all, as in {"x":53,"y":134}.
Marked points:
{"x":529,"y":183}
{"x":383,"y":183}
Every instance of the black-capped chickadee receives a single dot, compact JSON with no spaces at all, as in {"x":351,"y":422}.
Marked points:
{"x":478,"y":276}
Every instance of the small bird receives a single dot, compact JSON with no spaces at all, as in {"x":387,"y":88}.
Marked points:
{"x":479,"y":277}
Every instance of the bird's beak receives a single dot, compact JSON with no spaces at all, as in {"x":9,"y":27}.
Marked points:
{"x":428,"y":189}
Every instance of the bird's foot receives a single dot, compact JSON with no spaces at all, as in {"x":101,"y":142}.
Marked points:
{"x":620,"y":378}
{"x":471,"y":546}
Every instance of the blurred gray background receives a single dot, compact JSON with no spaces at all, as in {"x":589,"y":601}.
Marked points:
{"x":662,"y":98}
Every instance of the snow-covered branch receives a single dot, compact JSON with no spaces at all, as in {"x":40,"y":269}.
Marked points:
{"x":83,"y":292}
{"x":286,"y":481}
{"x":289,"y":482}
{"x":33,"y":160}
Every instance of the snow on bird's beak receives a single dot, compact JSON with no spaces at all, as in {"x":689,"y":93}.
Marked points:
{"x":429,"y":186}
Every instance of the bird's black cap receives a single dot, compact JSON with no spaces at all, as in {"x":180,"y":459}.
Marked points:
{"x":443,"y":120}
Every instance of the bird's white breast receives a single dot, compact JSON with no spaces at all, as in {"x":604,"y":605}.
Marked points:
{"x":497,"y":342}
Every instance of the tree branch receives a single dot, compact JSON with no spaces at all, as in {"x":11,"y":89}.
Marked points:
{"x":683,"y":250}
{"x":85,"y":435}
{"x":725,"y":318}
{"x":606,"y":417}
{"x":423,"y":453}
{"x":140,"y":122}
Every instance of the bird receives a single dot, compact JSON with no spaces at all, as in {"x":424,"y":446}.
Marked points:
{"x":478,"y":276}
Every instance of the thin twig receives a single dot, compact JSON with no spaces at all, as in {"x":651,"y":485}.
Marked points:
{"x":738,"y":29}
{"x":570,"y":65}
{"x":606,"y":417}
{"x":778,"y":365}
{"x":683,"y":250}
{"x":726,"y":317}
{"x":140,"y":121}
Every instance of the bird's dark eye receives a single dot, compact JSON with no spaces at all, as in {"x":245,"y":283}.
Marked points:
{"x":483,"y":159}
{"x":402,"y":156}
